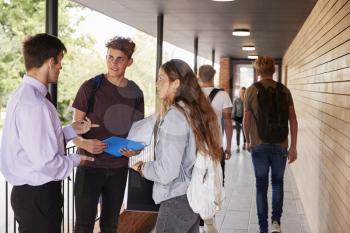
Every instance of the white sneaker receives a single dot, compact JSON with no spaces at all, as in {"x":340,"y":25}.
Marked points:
{"x":210,"y":226}
{"x":275,"y":227}
{"x":212,"y":229}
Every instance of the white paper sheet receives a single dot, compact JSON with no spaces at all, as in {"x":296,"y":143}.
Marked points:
{"x":141,"y":131}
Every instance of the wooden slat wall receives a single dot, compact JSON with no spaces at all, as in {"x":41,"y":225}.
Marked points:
{"x":317,"y":71}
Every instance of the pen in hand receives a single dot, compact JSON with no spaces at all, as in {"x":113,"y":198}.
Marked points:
{"x":83,"y":126}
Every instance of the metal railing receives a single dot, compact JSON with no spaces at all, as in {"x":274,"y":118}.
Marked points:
{"x":68,"y":195}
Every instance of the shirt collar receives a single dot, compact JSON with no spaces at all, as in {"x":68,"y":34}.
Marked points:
{"x":35,"y":83}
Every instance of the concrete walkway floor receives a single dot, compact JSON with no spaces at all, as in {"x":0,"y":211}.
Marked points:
{"x":239,"y":212}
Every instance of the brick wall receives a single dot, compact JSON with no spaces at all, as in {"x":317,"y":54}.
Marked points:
{"x":225,"y":66}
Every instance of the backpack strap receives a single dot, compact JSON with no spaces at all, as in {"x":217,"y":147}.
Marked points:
{"x":96,"y":82}
{"x":279,"y":86}
{"x":213,"y":93}
{"x":259,"y":86}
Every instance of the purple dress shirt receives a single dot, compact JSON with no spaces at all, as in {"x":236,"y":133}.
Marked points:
{"x":32,"y":146}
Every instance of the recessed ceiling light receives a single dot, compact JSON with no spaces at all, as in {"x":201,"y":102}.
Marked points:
{"x":241,"y":32}
{"x":248,"y":48}
{"x":222,"y":0}
{"x":254,"y":57}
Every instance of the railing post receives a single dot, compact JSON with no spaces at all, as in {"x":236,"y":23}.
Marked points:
{"x":6,"y":209}
{"x":14,"y":225}
{"x":63,"y":206}
{"x":68,"y":205}
{"x":73,"y":176}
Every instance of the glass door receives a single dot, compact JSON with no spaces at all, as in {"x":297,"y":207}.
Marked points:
{"x":243,"y":77}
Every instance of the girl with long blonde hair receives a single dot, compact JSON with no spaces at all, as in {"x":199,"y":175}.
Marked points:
{"x":187,"y":124}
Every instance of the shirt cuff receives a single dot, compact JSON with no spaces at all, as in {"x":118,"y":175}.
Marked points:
{"x":69,"y":133}
{"x":76,"y":159}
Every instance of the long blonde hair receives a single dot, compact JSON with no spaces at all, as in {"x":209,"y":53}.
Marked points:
{"x":200,"y":115}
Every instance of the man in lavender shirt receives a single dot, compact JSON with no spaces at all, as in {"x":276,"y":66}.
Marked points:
{"x":32,"y":148}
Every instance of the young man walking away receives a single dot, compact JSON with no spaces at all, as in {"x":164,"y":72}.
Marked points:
{"x":268,"y":109}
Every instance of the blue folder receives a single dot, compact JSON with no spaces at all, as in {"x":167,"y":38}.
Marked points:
{"x":116,"y":143}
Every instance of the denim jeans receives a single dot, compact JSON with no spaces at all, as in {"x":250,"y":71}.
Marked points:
{"x":265,"y":156}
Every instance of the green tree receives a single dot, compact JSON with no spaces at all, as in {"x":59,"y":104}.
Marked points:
{"x":17,"y":20}
{"x":143,"y":70}
{"x":21,"y":18}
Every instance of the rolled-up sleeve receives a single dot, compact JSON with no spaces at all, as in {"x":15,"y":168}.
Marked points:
{"x":39,"y":141}
{"x":170,"y":148}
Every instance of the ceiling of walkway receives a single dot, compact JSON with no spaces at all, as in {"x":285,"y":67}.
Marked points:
{"x":273,"y":23}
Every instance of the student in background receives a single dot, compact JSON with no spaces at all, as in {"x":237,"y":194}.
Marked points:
{"x":238,"y":110}
{"x":222,"y":105}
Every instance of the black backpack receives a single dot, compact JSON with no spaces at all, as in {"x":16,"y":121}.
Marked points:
{"x":96,"y":82}
{"x":273,"y":113}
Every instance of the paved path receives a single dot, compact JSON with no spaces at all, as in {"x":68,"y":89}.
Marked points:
{"x":239,"y":212}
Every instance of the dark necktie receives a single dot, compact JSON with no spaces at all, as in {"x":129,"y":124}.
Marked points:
{"x":48,"y":96}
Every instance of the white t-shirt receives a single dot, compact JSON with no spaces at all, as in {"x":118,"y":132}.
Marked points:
{"x":220,"y":102}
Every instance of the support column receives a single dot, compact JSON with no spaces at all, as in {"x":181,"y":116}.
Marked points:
{"x":280,"y":71}
{"x":213,"y":57}
{"x":52,"y":29}
{"x":195,"y":53}
{"x":160,"y":28}
{"x":225,"y":73}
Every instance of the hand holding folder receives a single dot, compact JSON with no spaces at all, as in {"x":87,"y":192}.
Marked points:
{"x":115,"y":144}
{"x":140,"y":135}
